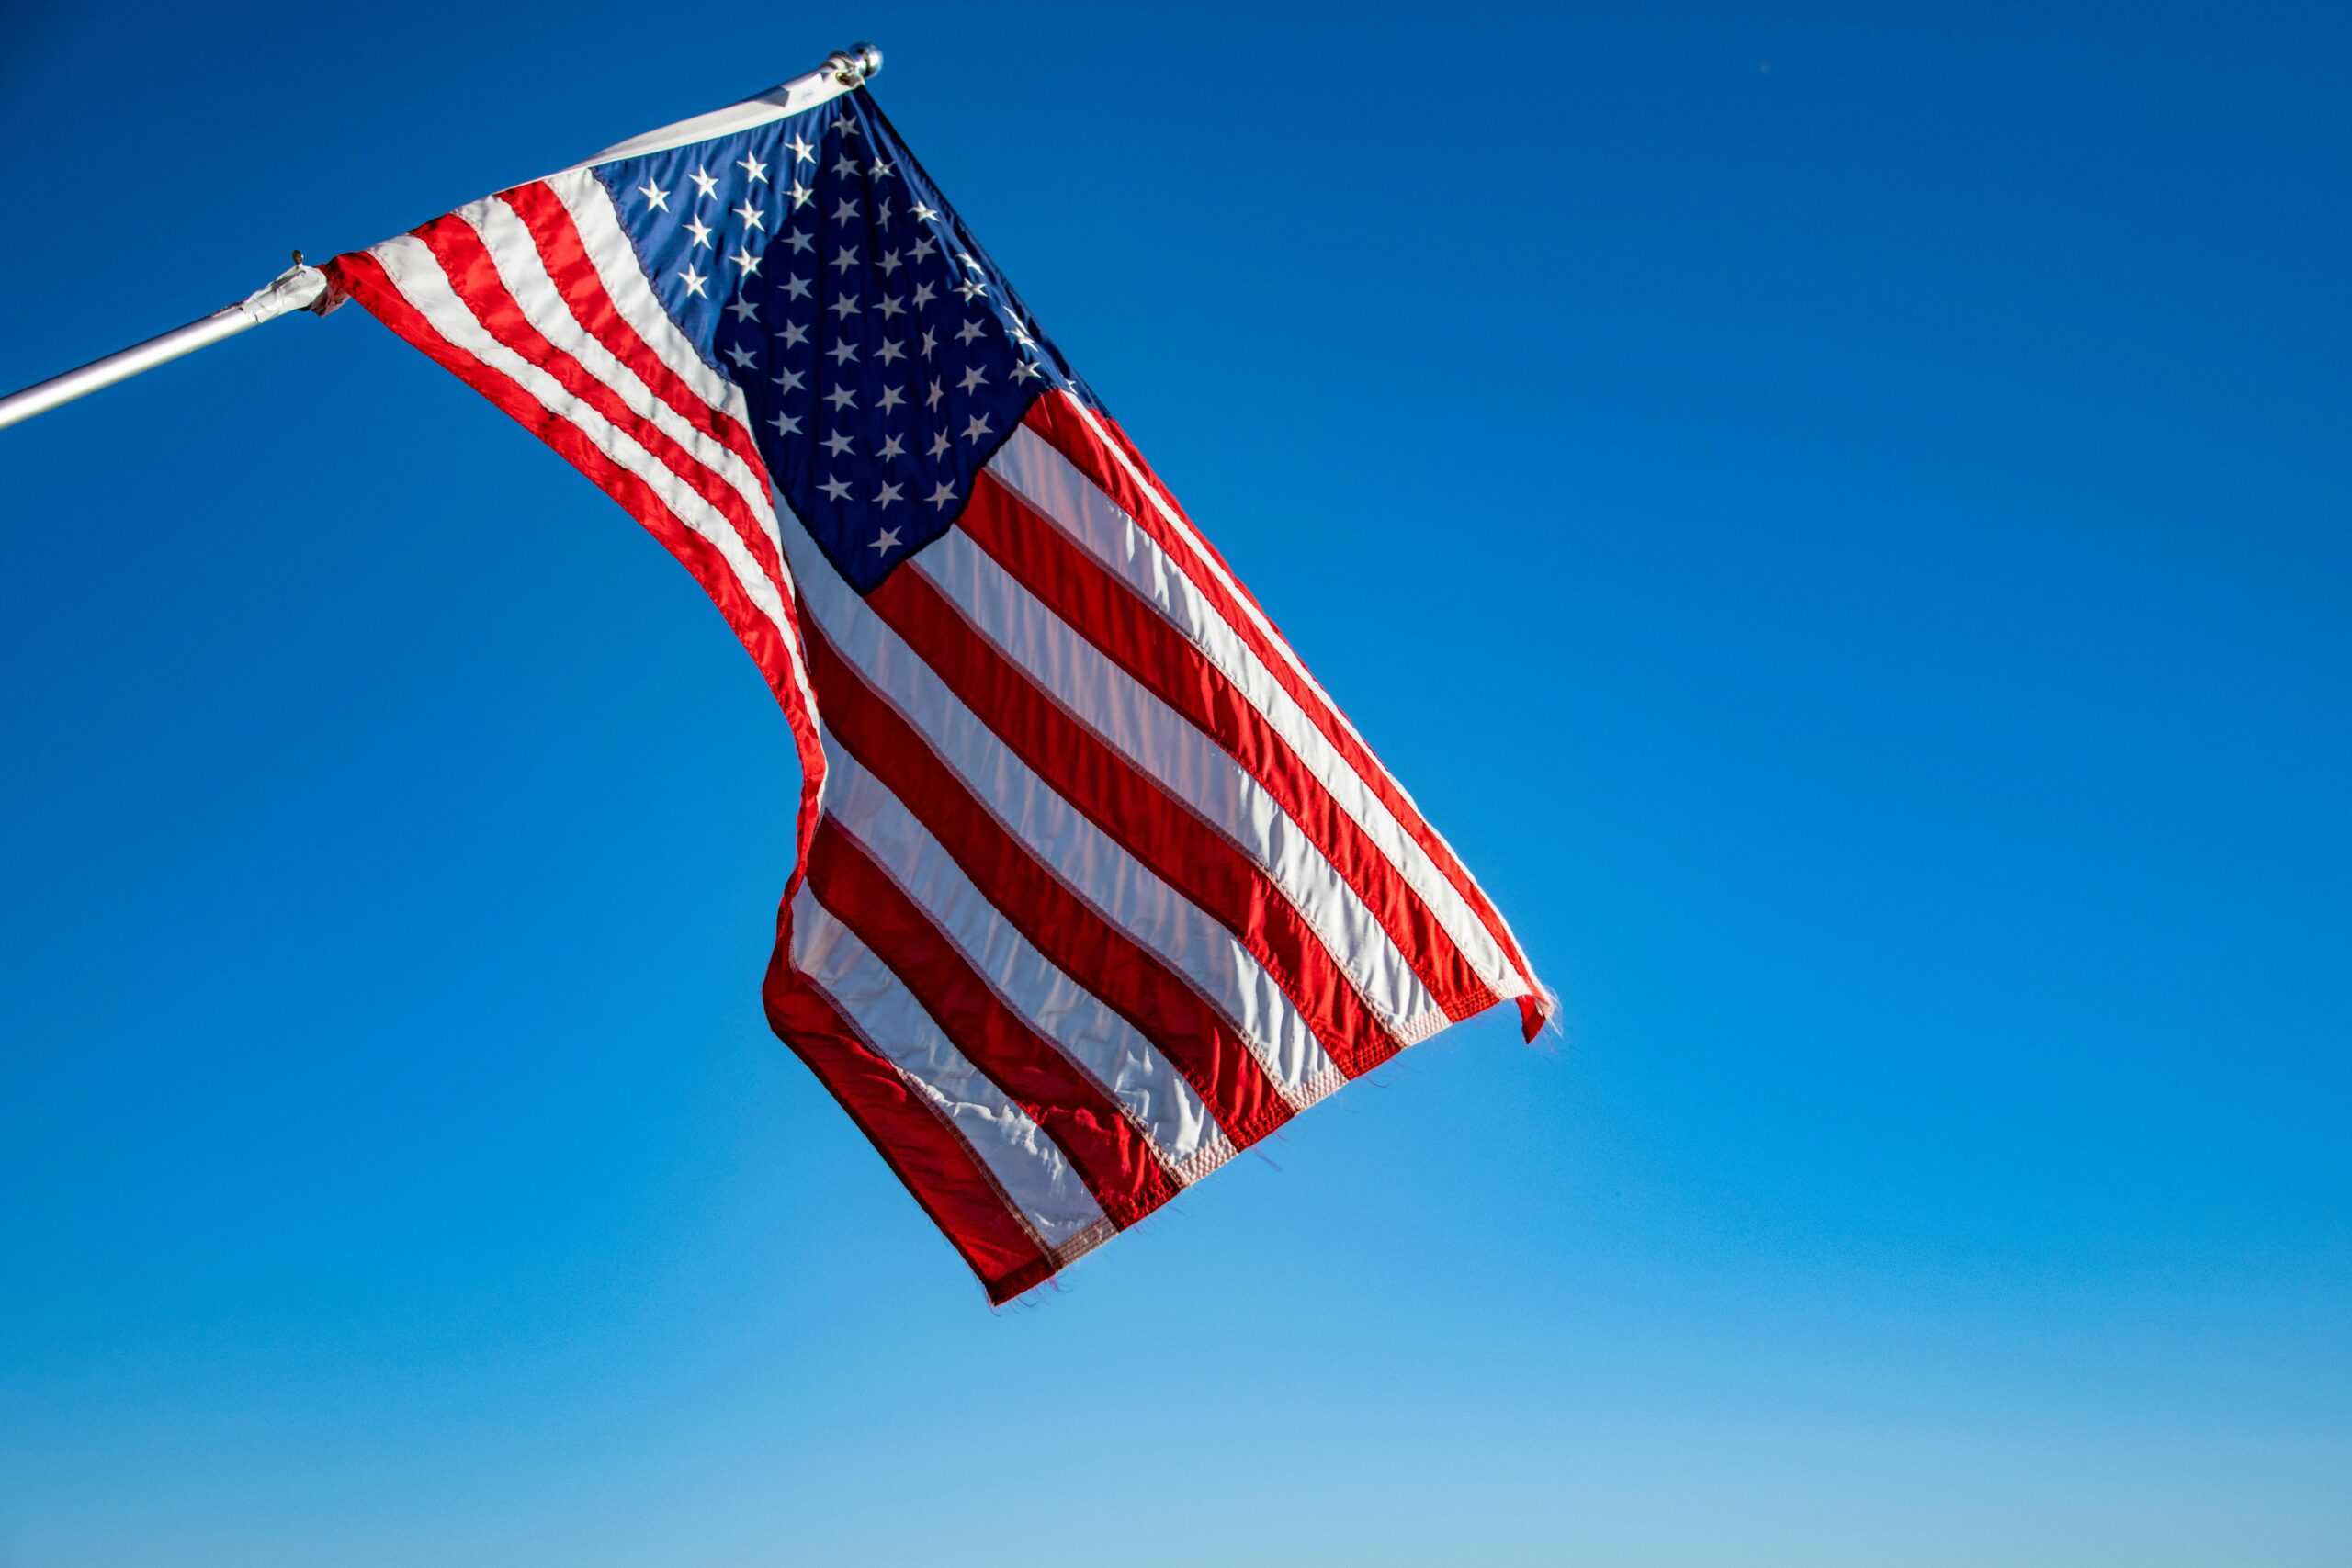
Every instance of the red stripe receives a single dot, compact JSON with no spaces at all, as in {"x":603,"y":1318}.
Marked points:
{"x":473,"y":276}
{"x":1108,"y":1151}
{"x":1138,"y":814}
{"x":566,"y":254}
{"x":1126,"y":977}
{"x":1057,"y":420}
{"x":955,"y":1189}
{"x":1133,"y":633}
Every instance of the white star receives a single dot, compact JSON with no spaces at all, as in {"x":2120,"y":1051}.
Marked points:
{"x":751,"y":167}
{"x":845,"y":258}
{"x":924,"y":248}
{"x":841,"y":398}
{"x":891,"y":447}
{"x":891,"y":306}
{"x":924,"y":295}
{"x":784,"y":424}
{"x":699,"y":229}
{"x":797,"y":288}
{"x":891,"y":352}
{"x":793,"y":336}
{"x":943,"y":494}
{"x":790,"y":380}
{"x":889,"y":264}
{"x":693,"y":280}
{"x":799,"y":240}
{"x":971,"y":289}
{"x":965,"y":257}
{"x":973,"y":378}
{"x":977,"y":428}
{"x":801,"y":151}
{"x":930,"y":400}
{"x":940,"y":445}
{"x":923,"y":214}
{"x":751,"y":215}
{"x":1020,"y":334}
{"x":845,"y":166}
{"x":844,"y":210}
{"x":930,"y":342}
{"x":743,"y":309}
{"x":884,"y":496}
{"x":1026,"y":371}
{"x":837,"y":444}
{"x":881,"y":171}
{"x":740,"y":355}
{"x":704,"y":185}
{"x":888,"y":539}
{"x":970,"y":332}
{"x":835,"y":488}
{"x":845,"y":126}
{"x":846,"y":306}
{"x":746,"y":260}
{"x":842,"y":352}
{"x":655,"y":197}
{"x":800,"y":194}
{"x":891,"y":398}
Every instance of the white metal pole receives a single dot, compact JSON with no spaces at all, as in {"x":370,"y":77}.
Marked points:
{"x":297,"y":287}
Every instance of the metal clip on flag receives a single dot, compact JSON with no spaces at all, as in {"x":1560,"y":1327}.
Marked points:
{"x":1096,"y":885}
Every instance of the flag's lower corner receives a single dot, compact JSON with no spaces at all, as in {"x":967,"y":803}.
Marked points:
{"x":1041,"y":1271}
{"x":1536,"y":1009}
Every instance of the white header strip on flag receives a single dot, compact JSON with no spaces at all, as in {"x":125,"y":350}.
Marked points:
{"x":851,"y":67}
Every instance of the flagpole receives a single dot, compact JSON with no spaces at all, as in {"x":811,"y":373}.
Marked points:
{"x":302,"y":288}
{"x":298,"y":287}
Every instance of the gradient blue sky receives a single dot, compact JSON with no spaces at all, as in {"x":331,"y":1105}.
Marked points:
{"x":1841,"y":517}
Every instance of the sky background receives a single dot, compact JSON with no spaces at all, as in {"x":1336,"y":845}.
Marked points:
{"x":1840,"y":516}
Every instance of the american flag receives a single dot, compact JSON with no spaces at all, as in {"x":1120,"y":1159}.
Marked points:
{"x":1096,"y":885}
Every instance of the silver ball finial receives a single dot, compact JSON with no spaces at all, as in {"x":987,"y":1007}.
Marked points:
{"x":854,"y":66}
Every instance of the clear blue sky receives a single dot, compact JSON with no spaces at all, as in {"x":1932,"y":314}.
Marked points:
{"x":1840,"y":517}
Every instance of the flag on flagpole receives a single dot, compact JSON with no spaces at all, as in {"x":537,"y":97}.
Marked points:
{"x":1096,"y":885}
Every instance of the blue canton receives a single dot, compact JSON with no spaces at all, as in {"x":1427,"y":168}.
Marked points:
{"x":882,"y":355}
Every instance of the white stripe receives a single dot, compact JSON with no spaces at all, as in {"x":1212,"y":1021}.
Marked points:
{"x":1164,"y":1107}
{"x":417,"y":274}
{"x":1030,"y":1167}
{"x":614,"y":255}
{"x":1058,"y":491}
{"x":1088,"y":861}
{"x":1191,"y":766}
{"x":524,"y":271}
